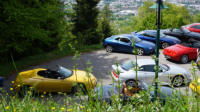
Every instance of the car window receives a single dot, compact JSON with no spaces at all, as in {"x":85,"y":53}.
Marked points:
{"x":147,"y":68}
{"x":136,"y":39}
{"x":164,"y":66}
{"x":196,"y":26}
{"x":148,"y":35}
{"x":117,"y":38}
{"x":128,"y":65}
{"x":125,"y":40}
{"x":64,"y":71}
{"x":177,"y":30}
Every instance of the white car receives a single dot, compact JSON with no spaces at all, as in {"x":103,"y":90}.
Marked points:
{"x":168,"y":74}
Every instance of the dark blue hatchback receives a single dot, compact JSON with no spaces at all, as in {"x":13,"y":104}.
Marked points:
{"x":165,"y":40}
{"x":123,"y":43}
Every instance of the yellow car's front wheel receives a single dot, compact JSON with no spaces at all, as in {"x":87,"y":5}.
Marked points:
{"x":79,"y":88}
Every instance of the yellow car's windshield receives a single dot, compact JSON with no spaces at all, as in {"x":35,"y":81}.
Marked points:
{"x":64,"y":71}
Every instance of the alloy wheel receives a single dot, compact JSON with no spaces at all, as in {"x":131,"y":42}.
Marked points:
{"x":184,"y":59}
{"x":164,"y":45}
{"x":140,"y":51}
{"x":177,"y":81}
{"x":109,"y":49}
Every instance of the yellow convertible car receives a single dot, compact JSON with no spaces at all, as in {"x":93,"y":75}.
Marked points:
{"x":62,"y":80}
{"x":195,"y":86}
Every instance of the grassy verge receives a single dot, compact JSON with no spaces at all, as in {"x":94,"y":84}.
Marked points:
{"x":7,"y":68}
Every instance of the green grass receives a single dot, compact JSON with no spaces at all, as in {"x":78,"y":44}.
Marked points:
{"x":49,"y":103}
{"x":7,"y":68}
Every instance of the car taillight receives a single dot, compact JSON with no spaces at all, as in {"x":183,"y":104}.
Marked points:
{"x":172,"y":53}
{"x":114,"y":74}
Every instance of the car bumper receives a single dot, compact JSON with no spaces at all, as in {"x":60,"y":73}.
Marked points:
{"x":175,"y":58}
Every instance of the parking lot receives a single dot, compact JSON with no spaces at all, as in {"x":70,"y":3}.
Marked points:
{"x":101,"y":63}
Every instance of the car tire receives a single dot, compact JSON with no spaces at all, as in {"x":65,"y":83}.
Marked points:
{"x":109,"y":49}
{"x":23,"y":90}
{"x":140,"y":51}
{"x":177,"y":81}
{"x":184,"y":59}
{"x":79,"y":88}
{"x":164,"y":45}
{"x":130,"y":82}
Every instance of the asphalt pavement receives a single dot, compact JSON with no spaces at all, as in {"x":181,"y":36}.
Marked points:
{"x":101,"y":63}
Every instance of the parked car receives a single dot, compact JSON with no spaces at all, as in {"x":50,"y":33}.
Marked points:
{"x":47,"y":80}
{"x":195,"y":87}
{"x":194,"y":27}
{"x":1,"y":81}
{"x":168,"y":74}
{"x":165,"y":40}
{"x":105,"y":92}
{"x":123,"y":43}
{"x":180,"y":53}
{"x":184,"y":35}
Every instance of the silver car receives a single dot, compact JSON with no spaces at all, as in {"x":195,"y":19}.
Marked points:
{"x":168,"y":74}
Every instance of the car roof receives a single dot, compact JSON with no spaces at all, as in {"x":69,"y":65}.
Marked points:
{"x":193,"y":24}
{"x":141,"y":62}
{"x":123,"y":35}
{"x":148,"y":31}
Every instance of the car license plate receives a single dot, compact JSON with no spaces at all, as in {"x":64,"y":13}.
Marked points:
{"x":167,"y":57}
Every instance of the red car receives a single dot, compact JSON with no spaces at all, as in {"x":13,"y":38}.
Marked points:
{"x":180,"y":53}
{"x":195,"y":27}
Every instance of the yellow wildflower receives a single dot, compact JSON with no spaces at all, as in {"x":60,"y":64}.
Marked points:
{"x":59,"y":92}
{"x":44,"y":92}
{"x":11,"y":89}
{"x":18,"y":85}
{"x":53,"y":108}
{"x":7,"y":107}
{"x":13,"y":82}
{"x":62,"y":108}
{"x":42,"y":96}
{"x":81,"y":107}
{"x":29,"y":92}
{"x":69,"y":110}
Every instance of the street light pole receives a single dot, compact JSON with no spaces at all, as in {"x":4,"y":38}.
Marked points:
{"x":157,"y":49}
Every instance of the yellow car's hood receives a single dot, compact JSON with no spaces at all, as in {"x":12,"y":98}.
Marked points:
{"x":83,"y":77}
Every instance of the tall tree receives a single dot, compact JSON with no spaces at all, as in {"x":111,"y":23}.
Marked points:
{"x":85,"y":22}
{"x":105,"y":23}
{"x":28,"y":27}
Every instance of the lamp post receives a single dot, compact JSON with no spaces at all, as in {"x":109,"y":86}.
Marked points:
{"x":158,"y":5}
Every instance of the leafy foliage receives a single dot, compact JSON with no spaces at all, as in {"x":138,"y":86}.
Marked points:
{"x":105,"y":22}
{"x":85,"y":22}
{"x":173,"y":17}
{"x":30,"y":27}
